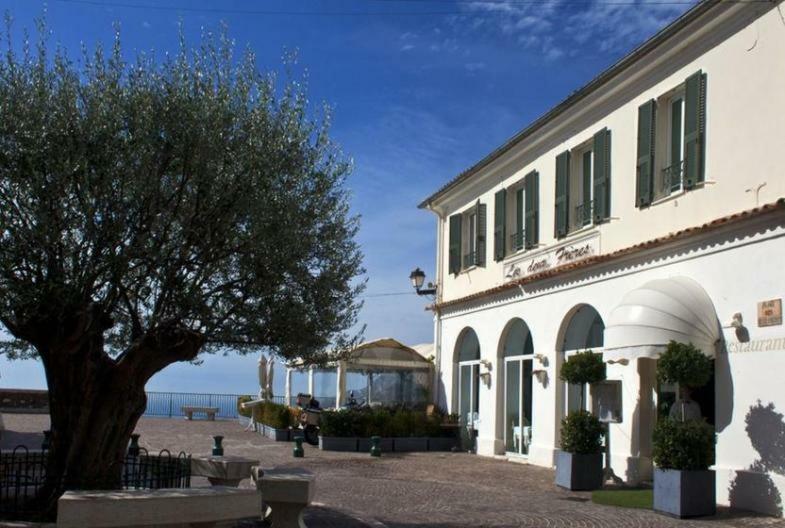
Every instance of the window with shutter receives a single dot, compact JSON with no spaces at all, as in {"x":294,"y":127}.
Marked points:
{"x":455,"y":243}
{"x":499,"y":224}
{"x":602,"y":175}
{"x":694,"y":128}
{"x":532,"y":227}
{"x":561,"y":223}
{"x":645,"y":169}
{"x":480,"y":245}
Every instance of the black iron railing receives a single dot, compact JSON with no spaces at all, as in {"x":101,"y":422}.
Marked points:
{"x":583,"y":214}
{"x":470,"y":259}
{"x":672,"y":179}
{"x":517,"y":240}
{"x":23,"y":473}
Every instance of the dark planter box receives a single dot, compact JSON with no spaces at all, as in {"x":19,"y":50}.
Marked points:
{"x":578,"y":472}
{"x":442,"y":444}
{"x":337,"y":443}
{"x":364,"y":445}
{"x":685,"y":493}
{"x":409,"y":444}
{"x":279,"y":435}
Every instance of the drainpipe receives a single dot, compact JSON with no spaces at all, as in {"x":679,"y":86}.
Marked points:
{"x":437,"y":321}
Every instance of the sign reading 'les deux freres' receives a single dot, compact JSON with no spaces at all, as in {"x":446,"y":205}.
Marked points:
{"x":531,"y":262}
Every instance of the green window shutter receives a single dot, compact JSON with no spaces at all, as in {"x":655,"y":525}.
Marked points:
{"x":479,"y":245}
{"x":520,"y":222}
{"x":532,"y":228}
{"x":586,"y":211}
{"x":602,"y":175}
{"x":455,"y":243}
{"x":499,"y":224}
{"x":562,"y":194}
{"x":647,"y":114}
{"x":694,"y":128}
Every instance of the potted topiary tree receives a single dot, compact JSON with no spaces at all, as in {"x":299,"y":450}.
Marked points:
{"x":579,"y":462}
{"x":684,"y":486}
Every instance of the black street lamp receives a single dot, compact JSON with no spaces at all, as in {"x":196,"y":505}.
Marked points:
{"x":418,"y":278}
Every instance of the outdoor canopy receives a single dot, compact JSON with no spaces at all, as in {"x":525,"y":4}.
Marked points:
{"x":660,"y":311}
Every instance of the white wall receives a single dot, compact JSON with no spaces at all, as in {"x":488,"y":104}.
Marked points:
{"x":742,"y":58}
{"x":738,"y":268}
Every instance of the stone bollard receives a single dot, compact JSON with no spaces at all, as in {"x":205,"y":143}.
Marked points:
{"x":218,"y":449}
{"x":376,"y":451}
{"x":297,"y":451}
{"x":286,"y":492}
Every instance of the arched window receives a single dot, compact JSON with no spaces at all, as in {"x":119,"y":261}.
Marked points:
{"x":584,"y":331}
{"x":467,"y":354}
{"x":517,"y":350}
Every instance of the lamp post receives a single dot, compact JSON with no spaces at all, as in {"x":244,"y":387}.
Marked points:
{"x":418,"y":278}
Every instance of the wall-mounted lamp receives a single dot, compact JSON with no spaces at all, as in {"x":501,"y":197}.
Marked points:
{"x":622,"y":361}
{"x":540,"y":374}
{"x":418,"y":278}
{"x":542,"y":358}
{"x":737,"y":321}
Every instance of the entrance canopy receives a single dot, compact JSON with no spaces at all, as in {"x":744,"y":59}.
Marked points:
{"x":649,"y":317}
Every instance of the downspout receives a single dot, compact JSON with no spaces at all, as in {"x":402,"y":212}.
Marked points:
{"x":437,"y":321}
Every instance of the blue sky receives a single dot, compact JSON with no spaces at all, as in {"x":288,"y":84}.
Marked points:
{"x":421,"y":89}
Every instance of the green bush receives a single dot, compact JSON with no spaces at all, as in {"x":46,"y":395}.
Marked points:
{"x":581,"y":433}
{"x":583,"y":367}
{"x":385,"y":422}
{"x":683,"y":445}
{"x":276,"y":415}
{"x":684,"y":364}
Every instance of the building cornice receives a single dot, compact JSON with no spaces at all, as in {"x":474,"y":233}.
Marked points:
{"x":683,"y":234}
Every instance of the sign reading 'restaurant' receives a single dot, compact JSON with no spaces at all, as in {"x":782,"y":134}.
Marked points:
{"x":531,"y":262}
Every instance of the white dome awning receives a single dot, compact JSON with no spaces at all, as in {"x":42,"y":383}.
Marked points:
{"x":649,"y":317}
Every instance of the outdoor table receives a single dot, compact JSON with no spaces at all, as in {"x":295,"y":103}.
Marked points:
{"x":222,"y":470}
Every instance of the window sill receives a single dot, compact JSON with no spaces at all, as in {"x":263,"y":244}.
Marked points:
{"x":679,"y":193}
{"x":467,"y":270}
{"x":582,"y":230}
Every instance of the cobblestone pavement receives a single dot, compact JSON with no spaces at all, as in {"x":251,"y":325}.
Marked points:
{"x":431,"y":490}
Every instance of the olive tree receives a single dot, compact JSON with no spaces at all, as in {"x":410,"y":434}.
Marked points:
{"x":156,"y":209}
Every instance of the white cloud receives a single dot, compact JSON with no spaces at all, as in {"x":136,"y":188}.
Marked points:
{"x":407,"y":47}
{"x":473,"y":67}
{"x":554,"y":28}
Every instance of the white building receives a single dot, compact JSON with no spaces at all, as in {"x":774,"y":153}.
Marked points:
{"x":645,"y":207}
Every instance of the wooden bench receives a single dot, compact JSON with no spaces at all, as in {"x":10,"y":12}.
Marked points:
{"x":201,"y":507}
{"x":189,"y":411}
{"x":287,"y":492}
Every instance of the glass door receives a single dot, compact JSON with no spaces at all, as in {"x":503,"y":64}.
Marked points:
{"x":517,"y":405}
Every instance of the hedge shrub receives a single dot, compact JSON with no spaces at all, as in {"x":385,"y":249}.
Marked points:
{"x":581,"y":433}
{"x":384,"y":422}
{"x":685,"y":445}
{"x":272,"y":414}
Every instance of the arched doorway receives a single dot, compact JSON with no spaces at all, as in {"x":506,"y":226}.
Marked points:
{"x":517,"y":350}
{"x":583,"y":329}
{"x":467,"y":355}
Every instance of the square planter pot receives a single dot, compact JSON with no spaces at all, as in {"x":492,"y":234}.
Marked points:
{"x":409,"y":444}
{"x":442,"y":443}
{"x":245,"y":421}
{"x":685,"y":493}
{"x":279,"y":435}
{"x":578,"y":472}
{"x":337,"y":443}
{"x":364,"y":445}
{"x":261,"y":428}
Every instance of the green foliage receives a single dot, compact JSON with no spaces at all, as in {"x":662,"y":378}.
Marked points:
{"x":684,"y":364}
{"x":187,"y":195}
{"x":273,"y":414}
{"x":380,"y":421}
{"x":683,"y":445}
{"x":583,"y":367}
{"x":581,"y":433}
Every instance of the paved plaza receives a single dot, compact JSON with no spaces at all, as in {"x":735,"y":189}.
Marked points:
{"x":431,"y":490}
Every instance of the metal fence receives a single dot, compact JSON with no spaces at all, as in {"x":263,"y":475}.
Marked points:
{"x":23,"y":472}
{"x":170,"y":404}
